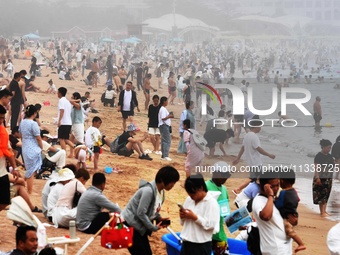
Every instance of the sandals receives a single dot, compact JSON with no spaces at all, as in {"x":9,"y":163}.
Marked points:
{"x":36,"y":209}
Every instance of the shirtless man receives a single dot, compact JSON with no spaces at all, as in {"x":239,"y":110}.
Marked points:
{"x":146,"y":87}
{"x":317,"y":112}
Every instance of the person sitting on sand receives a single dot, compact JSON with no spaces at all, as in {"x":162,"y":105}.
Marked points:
{"x":18,"y":189}
{"x":52,"y":89}
{"x":128,"y":143}
{"x":58,"y":156}
{"x":90,"y":217}
{"x":31,"y":85}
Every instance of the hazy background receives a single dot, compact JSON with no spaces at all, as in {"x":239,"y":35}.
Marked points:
{"x":44,"y":16}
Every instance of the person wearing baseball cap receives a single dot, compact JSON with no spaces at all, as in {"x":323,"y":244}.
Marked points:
{"x":128,"y":143}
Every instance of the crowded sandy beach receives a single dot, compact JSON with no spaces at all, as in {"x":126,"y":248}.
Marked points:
{"x":106,"y":80}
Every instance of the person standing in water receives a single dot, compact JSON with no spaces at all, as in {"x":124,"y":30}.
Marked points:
{"x":317,"y":112}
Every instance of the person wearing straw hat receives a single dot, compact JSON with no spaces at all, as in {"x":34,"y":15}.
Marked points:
{"x":64,"y":176}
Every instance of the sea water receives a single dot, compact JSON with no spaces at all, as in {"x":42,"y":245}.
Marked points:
{"x":296,"y":147}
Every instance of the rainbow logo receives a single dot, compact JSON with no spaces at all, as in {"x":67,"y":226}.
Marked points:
{"x":209,"y":90}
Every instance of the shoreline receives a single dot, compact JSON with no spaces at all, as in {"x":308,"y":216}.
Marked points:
{"x":120,"y":187}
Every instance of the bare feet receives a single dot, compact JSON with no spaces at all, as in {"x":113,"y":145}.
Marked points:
{"x":325,"y":214}
{"x":300,"y":248}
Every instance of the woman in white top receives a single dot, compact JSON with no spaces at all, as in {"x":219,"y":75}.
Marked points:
{"x":65,"y":210}
{"x":164,"y":124}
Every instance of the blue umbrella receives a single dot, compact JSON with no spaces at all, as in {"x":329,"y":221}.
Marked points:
{"x":107,"y":40}
{"x":130,"y":40}
{"x":32,"y":36}
{"x":177,"y":39}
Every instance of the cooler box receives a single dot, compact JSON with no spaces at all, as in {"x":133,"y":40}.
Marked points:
{"x":173,"y":247}
{"x":238,"y":247}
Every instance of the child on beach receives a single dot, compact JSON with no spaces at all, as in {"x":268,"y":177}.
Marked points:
{"x":94,"y":140}
{"x":81,"y":153}
{"x":287,"y":203}
{"x":52,"y":88}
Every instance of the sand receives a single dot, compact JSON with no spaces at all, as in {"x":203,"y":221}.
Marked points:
{"x":120,"y":187}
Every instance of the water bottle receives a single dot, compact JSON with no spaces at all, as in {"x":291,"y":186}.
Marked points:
{"x":72,"y":229}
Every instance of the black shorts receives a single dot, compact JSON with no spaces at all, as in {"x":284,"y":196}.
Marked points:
{"x":96,"y":149}
{"x":64,"y":132}
{"x":5,"y":197}
{"x":317,"y":117}
{"x":126,"y":114}
{"x":125,"y":152}
{"x":147,"y":91}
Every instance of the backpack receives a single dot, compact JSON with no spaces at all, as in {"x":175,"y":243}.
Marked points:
{"x":198,"y":139}
{"x":114,"y":146}
{"x":253,"y":241}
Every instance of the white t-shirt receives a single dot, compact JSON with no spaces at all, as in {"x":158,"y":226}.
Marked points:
{"x":62,"y":75}
{"x":78,"y":56}
{"x":250,"y":142}
{"x":272,"y":233}
{"x":9,"y":67}
{"x":45,"y":148}
{"x":127,"y":100}
{"x":53,"y":87}
{"x":92,"y":136}
{"x":163,"y":112}
{"x":65,"y":105}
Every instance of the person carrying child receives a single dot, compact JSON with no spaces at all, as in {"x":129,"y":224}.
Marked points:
{"x":287,"y":203}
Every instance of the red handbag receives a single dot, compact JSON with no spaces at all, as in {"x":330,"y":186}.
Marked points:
{"x":117,"y":236}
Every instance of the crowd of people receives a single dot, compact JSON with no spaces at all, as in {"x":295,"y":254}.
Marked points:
{"x":177,"y":74}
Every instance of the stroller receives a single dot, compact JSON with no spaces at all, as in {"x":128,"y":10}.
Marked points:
{"x":46,"y":166}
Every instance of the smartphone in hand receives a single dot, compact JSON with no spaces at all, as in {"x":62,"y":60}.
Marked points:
{"x":180,"y":206}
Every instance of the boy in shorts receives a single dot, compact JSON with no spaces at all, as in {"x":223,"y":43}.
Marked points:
{"x":287,"y":203}
{"x":94,"y":140}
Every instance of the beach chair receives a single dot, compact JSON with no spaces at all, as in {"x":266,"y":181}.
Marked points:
{"x":19,"y":211}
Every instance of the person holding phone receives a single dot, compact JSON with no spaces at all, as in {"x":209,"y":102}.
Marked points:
{"x":144,"y":207}
{"x":200,"y":217}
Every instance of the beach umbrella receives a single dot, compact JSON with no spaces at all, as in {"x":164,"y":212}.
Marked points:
{"x":31,"y":36}
{"x":130,"y":40}
{"x":135,"y":38}
{"x":107,"y":40}
{"x":177,"y":39}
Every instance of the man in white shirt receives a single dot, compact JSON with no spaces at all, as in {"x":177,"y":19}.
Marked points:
{"x":127,"y":102}
{"x":273,"y":238}
{"x":64,"y":119}
{"x":78,"y":60}
{"x":200,"y":217}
